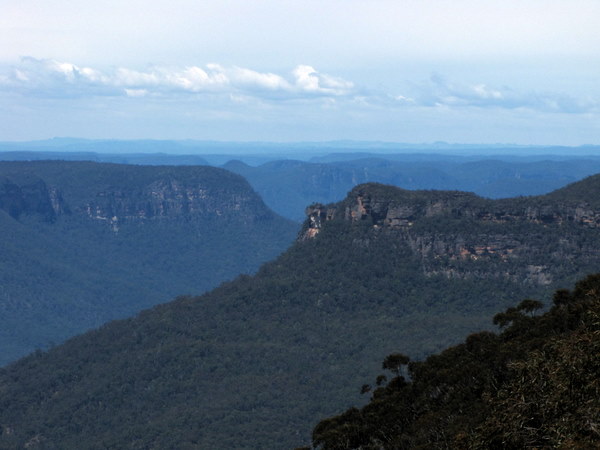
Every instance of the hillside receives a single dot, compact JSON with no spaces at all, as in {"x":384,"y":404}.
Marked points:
{"x":255,"y":362}
{"x":534,"y":385}
{"x":85,"y":243}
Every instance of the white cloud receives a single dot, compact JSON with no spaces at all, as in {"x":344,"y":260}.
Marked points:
{"x":50,"y":78}
{"x":441,"y":92}
{"x":308,"y":79}
{"x":127,"y":77}
{"x":19,"y":75}
{"x":249,"y":77}
{"x":39,"y":77}
{"x":136,"y":92}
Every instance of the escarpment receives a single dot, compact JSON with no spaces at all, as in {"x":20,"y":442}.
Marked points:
{"x":32,"y":196}
{"x":83,"y":243}
{"x":127,"y":194}
{"x":167,"y":199}
{"x":461,"y":235}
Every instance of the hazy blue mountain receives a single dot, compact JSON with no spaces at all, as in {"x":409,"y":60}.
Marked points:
{"x":291,"y":175}
{"x":294,"y":150}
{"x":152,"y":159}
{"x":287,"y":186}
{"x":83,"y":243}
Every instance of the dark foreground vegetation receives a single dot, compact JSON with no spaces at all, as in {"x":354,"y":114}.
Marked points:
{"x":534,"y":385}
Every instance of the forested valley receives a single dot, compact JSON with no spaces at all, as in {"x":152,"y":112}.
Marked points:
{"x":83,"y":243}
{"x":256,"y":362}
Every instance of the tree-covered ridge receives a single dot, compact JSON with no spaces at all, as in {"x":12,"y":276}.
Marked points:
{"x":575,"y":203}
{"x":252,"y":363}
{"x":581,"y":192}
{"x":537,"y":240}
{"x":534,"y":385}
{"x":79,"y":182}
{"x":83,"y":243}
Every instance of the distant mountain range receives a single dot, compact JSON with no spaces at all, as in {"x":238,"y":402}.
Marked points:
{"x":286,"y":149}
{"x":291,"y":176}
{"x":287,"y":185}
{"x":83,"y":243}
{"x":258,"y":361}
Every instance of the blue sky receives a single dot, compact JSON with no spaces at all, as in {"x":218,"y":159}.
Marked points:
{"x":414,"y":71}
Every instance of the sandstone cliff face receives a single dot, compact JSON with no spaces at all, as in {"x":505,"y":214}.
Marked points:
{"x":460,"y":235}
{"x":164,"y":199}
{"x":156,"y":197}
{"x":33,"y":197}
{"x":458,"y":205}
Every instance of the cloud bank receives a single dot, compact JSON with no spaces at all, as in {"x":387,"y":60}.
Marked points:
{"x":441,"y":92}
{"x":48,"y":78}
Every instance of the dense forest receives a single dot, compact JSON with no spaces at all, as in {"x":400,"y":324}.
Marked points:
{"x":534,"y":385}
{"x":255,"y":362}
{"x":83,"y":243}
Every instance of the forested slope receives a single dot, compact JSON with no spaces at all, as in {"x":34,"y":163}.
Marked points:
{"x":84,"y":243}
{"x":534,"y":385}
{"x":255,"y":362}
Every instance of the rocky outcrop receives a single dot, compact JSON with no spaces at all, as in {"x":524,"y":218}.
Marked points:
{"x":118,"y":195}
{"x":317,"y":215}
{"x":460,"y":235}
{"x":165,"y":199}
{"x":33,"y":197}
{"x":404,"y":211}
{"x":459,"y":205}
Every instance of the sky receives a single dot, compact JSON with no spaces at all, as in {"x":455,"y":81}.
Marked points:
{"x":413,"y":71}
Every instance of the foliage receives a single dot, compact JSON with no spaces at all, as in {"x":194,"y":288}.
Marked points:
{"x":253,"y":363}
{"x":535,"y":385}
